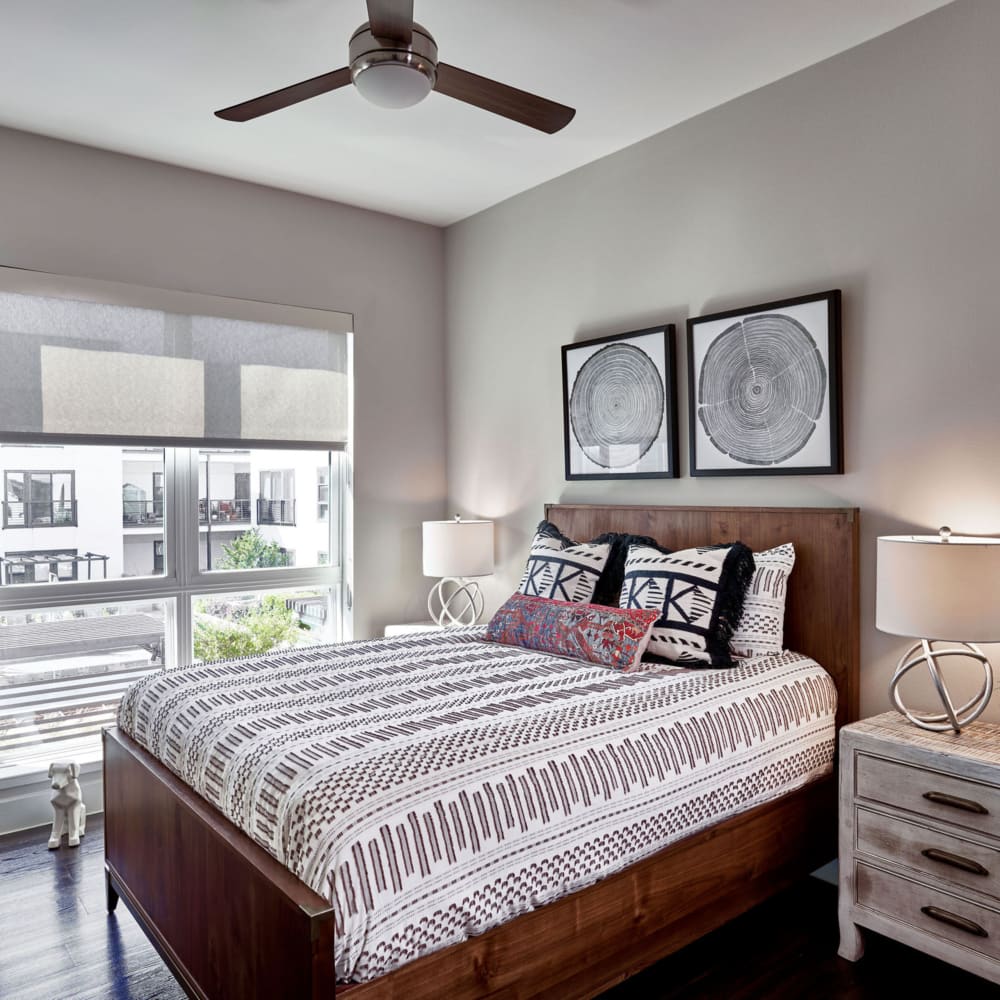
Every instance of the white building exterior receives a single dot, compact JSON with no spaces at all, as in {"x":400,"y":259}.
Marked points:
{"x":83,"y":512}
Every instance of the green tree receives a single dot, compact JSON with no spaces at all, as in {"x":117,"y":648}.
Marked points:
{"x":258,"y":630}
{"x":251,"y":550}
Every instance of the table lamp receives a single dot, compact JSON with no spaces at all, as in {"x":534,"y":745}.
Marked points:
{"x":456,"y":551}
{"x":940,"y":587}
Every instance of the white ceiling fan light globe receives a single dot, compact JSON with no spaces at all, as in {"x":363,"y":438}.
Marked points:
{"x":389,"y":73}
{"x":393,"y":84}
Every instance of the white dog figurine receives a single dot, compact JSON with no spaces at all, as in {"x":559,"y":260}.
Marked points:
{"x":70,"y":814}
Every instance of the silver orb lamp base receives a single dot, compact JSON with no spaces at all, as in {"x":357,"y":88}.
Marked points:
{"x":455,"y":601}
{"x":952,"y":718}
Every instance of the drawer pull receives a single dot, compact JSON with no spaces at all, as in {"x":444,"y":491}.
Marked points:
{"x":967,"y":805}
{"x":955,"y":860}
{"x":954,"y":920}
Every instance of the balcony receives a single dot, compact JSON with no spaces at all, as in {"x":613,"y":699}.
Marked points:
{"x":224,"y":511}
{"x":142,"y":513}
{"x":276,"y":512}
{"x":39,"y":514}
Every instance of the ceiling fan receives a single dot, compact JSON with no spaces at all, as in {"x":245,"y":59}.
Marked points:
{"x":394,"y":64}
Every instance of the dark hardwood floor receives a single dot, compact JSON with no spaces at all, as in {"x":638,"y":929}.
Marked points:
{"x":57,"y":941}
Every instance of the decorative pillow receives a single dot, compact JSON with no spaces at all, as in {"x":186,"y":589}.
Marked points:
{"x":699,"y":594}
{"x":612,"y":637}
{"x":561,"y":569}
{"x":760,"y":630}
{"x":609,"y":585}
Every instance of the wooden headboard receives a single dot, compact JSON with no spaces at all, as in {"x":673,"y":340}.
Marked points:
{"x":822,"y":617}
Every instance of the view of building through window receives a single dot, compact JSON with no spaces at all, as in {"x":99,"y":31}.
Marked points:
{"x":62,"y":672}
{"x":73,"y":514}
{"x":247,"y":507}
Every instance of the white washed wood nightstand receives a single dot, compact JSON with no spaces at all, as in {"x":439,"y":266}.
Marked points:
{"x":920,"y":840}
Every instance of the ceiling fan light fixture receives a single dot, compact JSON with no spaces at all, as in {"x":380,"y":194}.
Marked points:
{"x":393,"y":84}
{"x":392,"y":75}
{"x":398,"y":67}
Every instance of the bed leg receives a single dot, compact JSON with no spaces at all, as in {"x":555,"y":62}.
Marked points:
{"x":110,"y":894}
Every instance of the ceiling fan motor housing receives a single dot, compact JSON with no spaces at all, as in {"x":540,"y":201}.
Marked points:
{"x":389,"y":73}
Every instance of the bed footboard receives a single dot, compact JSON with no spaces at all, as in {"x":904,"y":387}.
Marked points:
{"x":229,"y":920}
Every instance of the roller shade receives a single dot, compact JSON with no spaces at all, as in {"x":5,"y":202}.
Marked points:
{"x":107,"y":362}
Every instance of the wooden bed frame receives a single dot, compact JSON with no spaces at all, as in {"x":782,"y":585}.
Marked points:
{"x":233,"y":924}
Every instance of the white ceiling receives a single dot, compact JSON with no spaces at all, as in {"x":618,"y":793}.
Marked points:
{"x":144,"y":76}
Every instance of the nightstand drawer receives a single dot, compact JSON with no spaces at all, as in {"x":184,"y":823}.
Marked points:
{"x":938,"y":914}
{"x":929,"y":793}
{"x":948,"y":858}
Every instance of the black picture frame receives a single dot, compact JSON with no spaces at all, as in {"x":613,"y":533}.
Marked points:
{"x":805,"y":318}
{"x":656,"y":456}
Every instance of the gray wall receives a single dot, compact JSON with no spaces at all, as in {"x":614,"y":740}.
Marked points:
{"x":78,"y":211}
{"x":875,"y":172}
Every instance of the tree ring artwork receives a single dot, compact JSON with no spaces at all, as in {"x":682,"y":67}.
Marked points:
{"x":616,"y":407}
{"x":765,"y":396}
{"x":762,"y":389}
{"x":620,"y":406}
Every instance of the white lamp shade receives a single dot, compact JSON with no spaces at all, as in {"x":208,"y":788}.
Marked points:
{"x":458,"y":548}
{"x":929,"y":588}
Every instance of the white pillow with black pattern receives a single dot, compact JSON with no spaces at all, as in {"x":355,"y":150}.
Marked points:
{"x":699,"y":593}
{"x":761,"y":628}
{"x":561,"y":570}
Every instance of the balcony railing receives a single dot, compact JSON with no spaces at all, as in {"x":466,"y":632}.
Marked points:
{"x":224,"y":511}
{"x":39,"y":513}
{"x":138,"y":513}
{"x":276,"y":512}
{"x":56,"y":693}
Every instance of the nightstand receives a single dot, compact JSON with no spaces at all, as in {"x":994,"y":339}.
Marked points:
{"x":920,"y":840}
{"x":411,"y":627}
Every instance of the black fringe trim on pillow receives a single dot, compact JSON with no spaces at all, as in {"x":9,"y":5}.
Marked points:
{"x":609,"y":585}
{"x":548,"y":530}
{"x":734,"y":581}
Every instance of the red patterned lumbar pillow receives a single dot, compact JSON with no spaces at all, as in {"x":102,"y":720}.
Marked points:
{"x":613,"y":637}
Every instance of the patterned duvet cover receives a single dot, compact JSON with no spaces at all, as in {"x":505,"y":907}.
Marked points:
{"x":434,"y":786}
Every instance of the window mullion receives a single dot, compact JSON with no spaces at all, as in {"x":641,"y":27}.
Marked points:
{"x":182,"y":542}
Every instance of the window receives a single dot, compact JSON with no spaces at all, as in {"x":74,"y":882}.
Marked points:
{"x":246,"y":624}
{"x":276,"y":504}
{"x":141,"y":471}
{"x":53,"y":705}
{"x":39,"y":499}
{"x":176,"y":524}
{"x":322,"y":494}
{"x":158,"y":496}
{"x":266,"y":533}
{"x":181,"y":530}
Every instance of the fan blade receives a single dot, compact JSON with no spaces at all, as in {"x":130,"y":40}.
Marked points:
{"x":391,"y":19}
{"x":518,"y":105}
{"x":287,"y":96}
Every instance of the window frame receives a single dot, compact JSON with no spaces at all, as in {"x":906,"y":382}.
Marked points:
{"x":28,"y":502}
{"x":183,"y":580}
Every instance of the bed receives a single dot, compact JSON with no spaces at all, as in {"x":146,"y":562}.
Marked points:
{"x":231,"y":921}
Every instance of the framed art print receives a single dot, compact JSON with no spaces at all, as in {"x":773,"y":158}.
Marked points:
{"x":620,"y":406}
{"x":764,"y":389}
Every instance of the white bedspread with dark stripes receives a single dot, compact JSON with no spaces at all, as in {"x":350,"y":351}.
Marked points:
{"x":433,"y":786}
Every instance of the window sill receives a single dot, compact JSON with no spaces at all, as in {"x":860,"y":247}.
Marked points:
{"x":31,"y":775}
